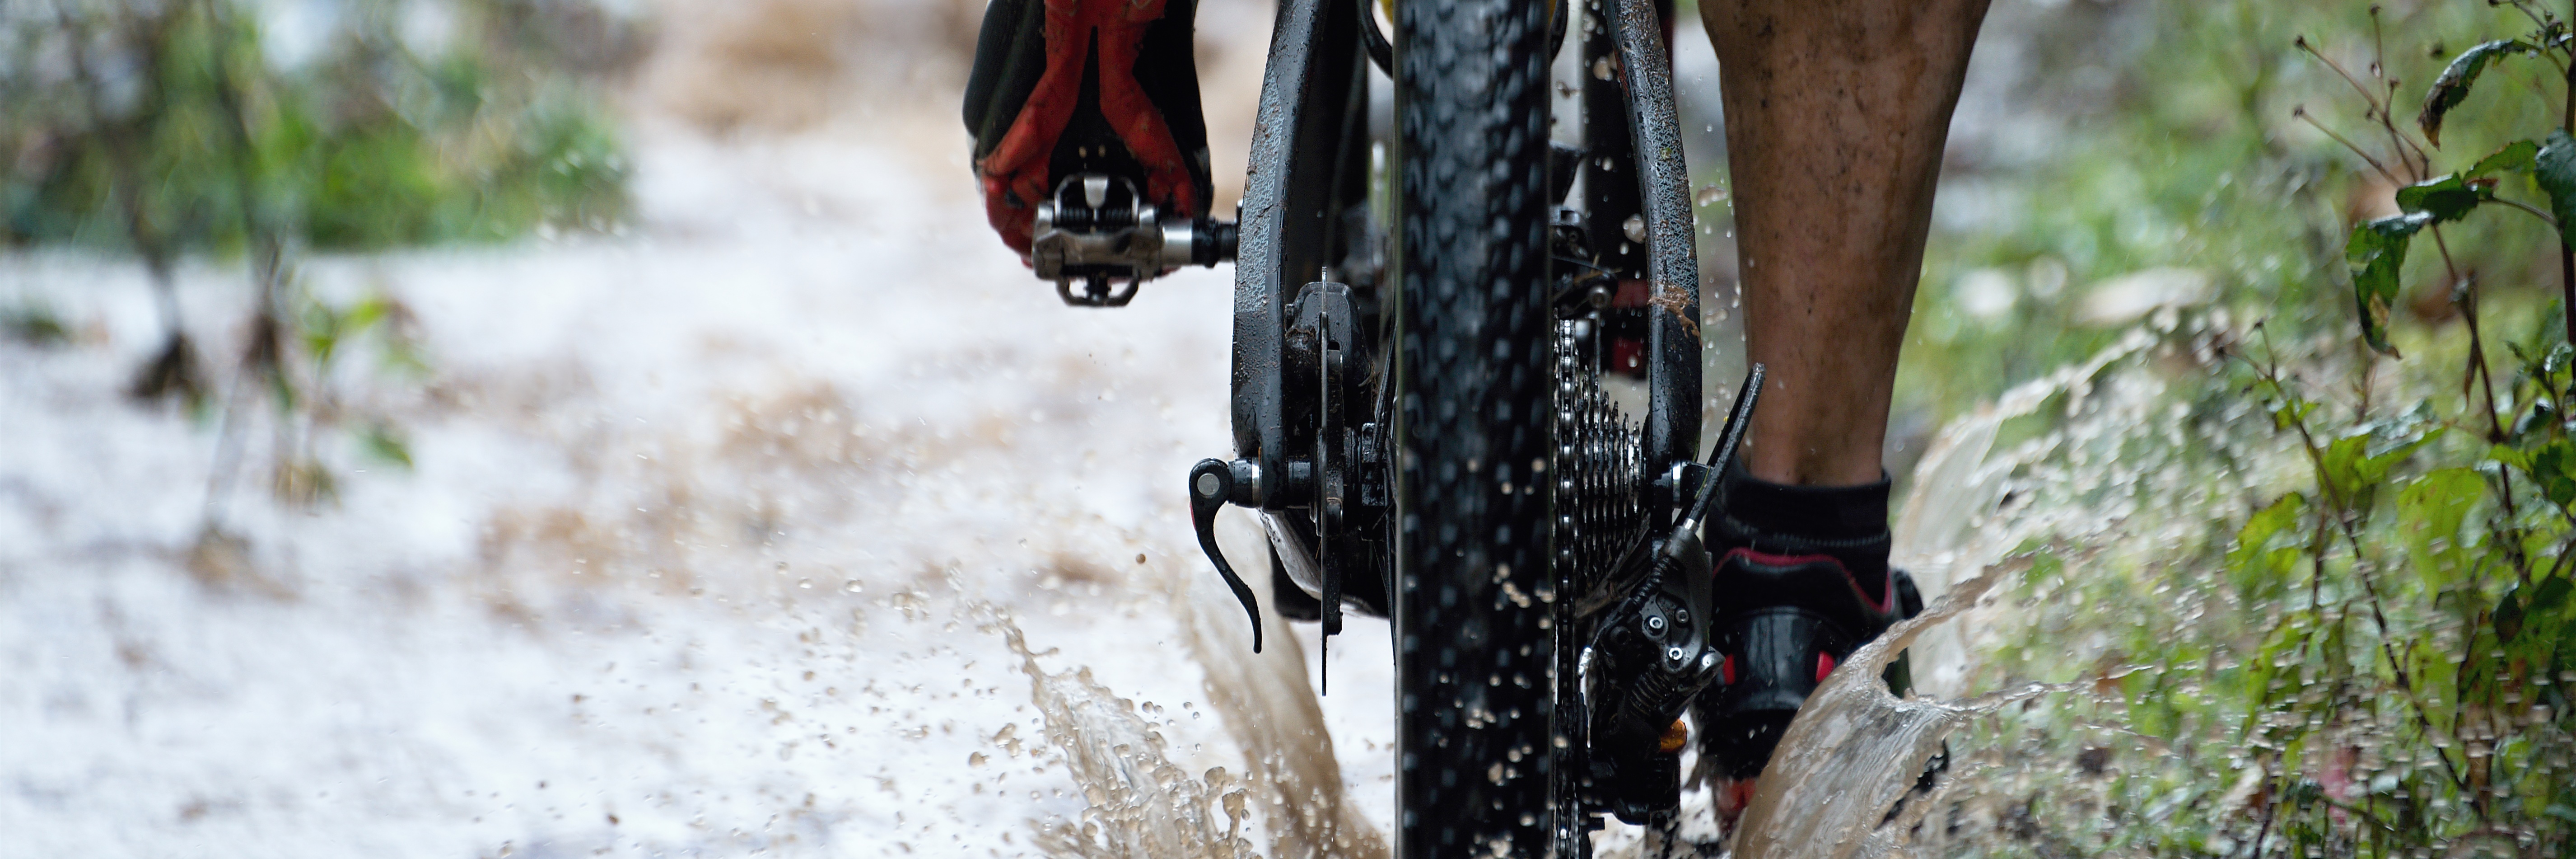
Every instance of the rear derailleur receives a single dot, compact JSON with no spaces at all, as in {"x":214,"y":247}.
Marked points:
{"x":1652,"y":650}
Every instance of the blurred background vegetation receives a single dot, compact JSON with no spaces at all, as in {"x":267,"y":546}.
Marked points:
{"x":159,"y":130}
{"x":164,"y":127}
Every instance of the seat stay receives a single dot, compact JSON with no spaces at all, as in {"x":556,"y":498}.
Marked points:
{"x":1672,"y":256}
{"x":1302,"y":85}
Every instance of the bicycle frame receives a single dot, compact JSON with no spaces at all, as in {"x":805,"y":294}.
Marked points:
{"x":1311,"y":406}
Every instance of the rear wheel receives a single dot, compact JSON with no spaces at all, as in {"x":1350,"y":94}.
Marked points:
{"x":1474,"y":653}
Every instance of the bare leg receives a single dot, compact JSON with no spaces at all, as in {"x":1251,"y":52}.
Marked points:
{"x":1836,"y":113}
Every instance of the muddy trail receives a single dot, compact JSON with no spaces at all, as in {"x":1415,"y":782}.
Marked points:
{"x":757,"y":533}
{"x":706,"y":543}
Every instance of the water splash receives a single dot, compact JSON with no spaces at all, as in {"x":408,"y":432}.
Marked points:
{"x":1855,"y":749}
{"x":1140,"y":804}
{"x":1271,"y":710}
{"x":1954,"y":517}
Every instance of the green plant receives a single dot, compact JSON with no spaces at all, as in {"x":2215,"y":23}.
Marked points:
{"x":371,"y":146}
{"x":163,"y":128}
{"x":2412,"y":694}
{"x":2334,"y":615}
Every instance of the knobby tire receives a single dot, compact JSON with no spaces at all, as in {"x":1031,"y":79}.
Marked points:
{"x":1472,"y":374}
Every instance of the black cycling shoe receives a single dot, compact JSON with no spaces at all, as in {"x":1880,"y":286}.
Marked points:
{"x":1801,"y":581}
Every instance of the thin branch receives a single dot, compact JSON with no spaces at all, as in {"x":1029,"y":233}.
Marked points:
{"x":2301,"y":112}
{"x":2525,"y":9}
{"x":2378,"y":47}
{"x":2420,"y":165}
{"x":2554,"y":62}
{"x":2466,"y":297}
{"x":2397,"y":142}
{"x":2366,"y":95}
{"x":2545,"y":217}
{"x":2567,"y":255}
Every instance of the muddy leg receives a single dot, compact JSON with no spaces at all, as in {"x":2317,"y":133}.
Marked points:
{"x":1836,"y":113}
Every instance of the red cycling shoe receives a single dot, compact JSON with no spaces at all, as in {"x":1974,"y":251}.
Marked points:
{"x":1063,"y":87}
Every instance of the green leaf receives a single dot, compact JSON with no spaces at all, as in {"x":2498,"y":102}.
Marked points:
{"x":2553,"y":168}
{"x":2553,"y":466}
{"x":2304,"y":793}
{"x":2267,"y":548}
{"x":320,"y":327}
{"x":2341,"y":464}
{"x":2453,"y":86}
{"x":373,"y":309}
{"x":2567,"y":644}
{"x":2551,"y":596}
{"x":2437,"y":502}
{"x":2377,"y":251}
{"x":2260,"y":527}
{"x":2435,"y":677}
{"x":403,"y":357}
{"x":2291,"y":412}
{"x":2360,"y":459}
{"x":2509,"y":456}
{"x":2446,"y":198}
{"x":2508,"y":615}
{"x":2515,"y":157}
{"x":35,"y":325}
{"x":2429,"y":512}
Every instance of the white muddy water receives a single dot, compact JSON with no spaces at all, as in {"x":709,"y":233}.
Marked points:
{"x":689,"y":562}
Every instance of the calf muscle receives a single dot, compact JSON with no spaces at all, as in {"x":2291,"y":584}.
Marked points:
{"x":1836,"y":116}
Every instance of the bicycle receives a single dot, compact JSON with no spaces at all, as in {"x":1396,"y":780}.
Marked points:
{"x":1416,"y":409}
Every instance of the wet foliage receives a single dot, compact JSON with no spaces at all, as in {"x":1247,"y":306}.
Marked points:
{"x":176,"y":129}
{"x":2335,"y":615}
{"x":170,"y":127}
